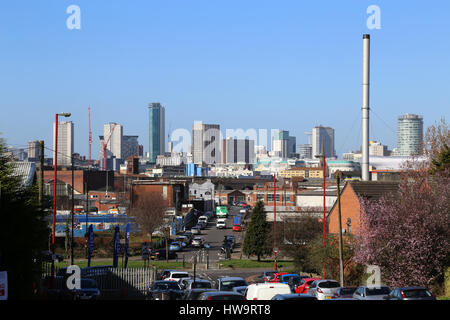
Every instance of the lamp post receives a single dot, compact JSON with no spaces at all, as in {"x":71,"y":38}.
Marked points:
{"x":55,"y":165}
{"x":275,"y":249}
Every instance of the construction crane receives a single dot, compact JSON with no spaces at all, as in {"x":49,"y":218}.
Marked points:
{"x":90,"y":137}
{"x":106,"y":144}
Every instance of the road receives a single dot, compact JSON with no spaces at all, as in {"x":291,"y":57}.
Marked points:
{"x":214,"y":237}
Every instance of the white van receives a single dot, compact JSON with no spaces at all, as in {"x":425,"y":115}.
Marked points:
{"x":203,"y":219}
{"x":221,"y":223}
{"x":266,"y":291}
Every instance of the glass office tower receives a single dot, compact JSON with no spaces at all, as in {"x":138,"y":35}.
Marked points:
{"x":157,"y":133}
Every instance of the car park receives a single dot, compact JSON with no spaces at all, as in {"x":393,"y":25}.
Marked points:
{"x":303,"y":287}
{"x":294,"y":296}
{"x":324,"y":289}
{"x":198,"y":242}
{"x":371,"y":293}
{"x":228,"y":283}
{"x":165,"y":290}
{"x":410,"y":293}
{"x":266,"y":291}
{"x":220,"y":295}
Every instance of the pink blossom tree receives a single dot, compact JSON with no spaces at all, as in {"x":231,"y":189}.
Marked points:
{"x":408,"y":234}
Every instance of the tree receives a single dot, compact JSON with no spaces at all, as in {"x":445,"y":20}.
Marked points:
{"x":408,"y":235}
{"x":320,"y":256}
{"x":296,"y":235}
{"x":149,"y":211}
{"x":256,"y":241}
{"x":24,"y":233}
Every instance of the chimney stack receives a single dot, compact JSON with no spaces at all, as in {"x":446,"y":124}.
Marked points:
{"x":365,"y":107}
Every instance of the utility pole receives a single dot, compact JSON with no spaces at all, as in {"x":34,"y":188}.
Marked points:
{"x":41,"y":173}
{"x":73,"y":205}
{"x":341,"y":257}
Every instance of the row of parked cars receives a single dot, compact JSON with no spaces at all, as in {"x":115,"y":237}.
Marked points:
{"x":323,"y":289}
{"x":179,"y":285}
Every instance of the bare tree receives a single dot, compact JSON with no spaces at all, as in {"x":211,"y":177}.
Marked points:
{"x":149,"y":211}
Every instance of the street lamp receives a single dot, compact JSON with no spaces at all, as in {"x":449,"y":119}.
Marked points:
{"x":55,"y":165}
{"x":275,"y":249}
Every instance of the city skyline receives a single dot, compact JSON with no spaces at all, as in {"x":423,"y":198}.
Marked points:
{"x":264,"y":74}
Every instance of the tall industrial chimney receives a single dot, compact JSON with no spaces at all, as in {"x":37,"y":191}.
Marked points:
{"x":365,"y":107}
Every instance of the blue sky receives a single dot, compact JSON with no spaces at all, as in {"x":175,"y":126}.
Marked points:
{"x":242,"y":64}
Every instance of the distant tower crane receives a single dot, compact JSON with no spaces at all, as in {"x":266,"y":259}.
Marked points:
{"x":105,"y":144}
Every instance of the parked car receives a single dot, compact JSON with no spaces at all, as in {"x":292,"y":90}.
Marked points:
{"x":277,"y":277}
{"x":177,"y":276}
{"x":221,"y":223}
{"x":345,"y":292}
{"x":195,"y":230}
{"x":266,"y":291}
{"x":410,"y":293}
{"x":88,"y":290}
{"x":160,"y":254}
{"x":240,"y":289}
{"x":203,"y":219}
{"x":175,"y":246}
{"x":193,"y":294}
{"x":183,"y":240}
{"x":267,"y":275}
{"x":198,"y":242}
{"x":371,"y":293}
{"x":165,"y":273}
{"x":221,"y":295}
{"x":163,"y":289}
{"x":188,"y":284}
{"x":324,"y":289}
{"x":303,"y":287}
{"x":47,"y":256}
{"x":294,"y":296}
{"x":201,"y":224}
{"x":228,"y":283}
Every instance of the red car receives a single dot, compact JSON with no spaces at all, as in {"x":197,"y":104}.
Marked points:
{"x":277,"y":277}
{"x":237,"y":227}
{"x":304,"y":285}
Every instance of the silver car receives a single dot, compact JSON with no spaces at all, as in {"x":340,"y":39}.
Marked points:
{"x":371,"y":293}
{"x":324,"y":289}
{"x":410,"y":293}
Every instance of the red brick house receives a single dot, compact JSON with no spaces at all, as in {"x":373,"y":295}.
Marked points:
{"x":350,"y":203}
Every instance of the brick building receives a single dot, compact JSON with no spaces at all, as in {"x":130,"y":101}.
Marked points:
{"x":95,"y":180}
{"x":351,"y":194}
